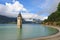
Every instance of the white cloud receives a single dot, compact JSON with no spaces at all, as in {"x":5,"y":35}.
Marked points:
{"x":11,"y":10}
{"x":31,"y":15}
{"x":49,"y":6}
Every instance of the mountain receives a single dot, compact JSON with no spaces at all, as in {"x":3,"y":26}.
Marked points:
{"x":5,"y":19}
{"x":32,"y":20}
{"x":8,"y":20}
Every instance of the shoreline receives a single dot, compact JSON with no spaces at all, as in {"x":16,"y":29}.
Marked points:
{"x":51,"y":37}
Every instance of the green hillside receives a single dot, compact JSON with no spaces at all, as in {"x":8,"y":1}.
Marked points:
{"x":54,"y":18}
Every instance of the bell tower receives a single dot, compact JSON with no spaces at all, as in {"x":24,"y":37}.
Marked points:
{"x":19,"y":20}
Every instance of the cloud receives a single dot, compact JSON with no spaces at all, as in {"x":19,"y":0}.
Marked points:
{"x":31,"y":15}
{"x":46,"y":7}
{"x":49,"y":6}
{"x":11,"y":10}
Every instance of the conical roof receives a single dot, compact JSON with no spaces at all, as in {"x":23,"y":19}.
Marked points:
{"x":19,"y":15}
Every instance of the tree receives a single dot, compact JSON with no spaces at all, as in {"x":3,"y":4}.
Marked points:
{"x":55,"y":16}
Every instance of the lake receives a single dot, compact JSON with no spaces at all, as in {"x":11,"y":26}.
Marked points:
{"x":11,"y":32}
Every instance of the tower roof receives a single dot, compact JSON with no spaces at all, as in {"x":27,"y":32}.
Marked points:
{"x":19,"y":15}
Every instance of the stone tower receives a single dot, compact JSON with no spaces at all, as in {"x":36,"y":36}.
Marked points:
{"x":19,"y":21}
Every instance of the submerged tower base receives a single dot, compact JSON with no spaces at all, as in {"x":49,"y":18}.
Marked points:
{"x":19,"y":26}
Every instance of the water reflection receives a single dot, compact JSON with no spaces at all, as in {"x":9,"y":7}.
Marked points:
{"x":19,"y":34}
{"x":11,"y":32}
{"x":19,"y":26}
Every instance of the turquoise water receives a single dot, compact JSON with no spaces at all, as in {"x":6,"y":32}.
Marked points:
{"x":11,"y":32}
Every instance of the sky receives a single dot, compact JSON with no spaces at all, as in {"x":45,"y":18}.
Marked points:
{"x":39,"y":9}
